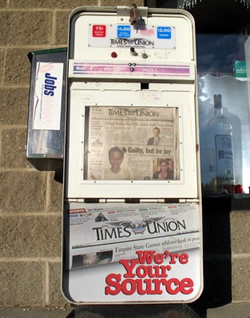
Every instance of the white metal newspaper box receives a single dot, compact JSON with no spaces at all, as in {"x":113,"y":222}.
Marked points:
{"x":132,"y":200}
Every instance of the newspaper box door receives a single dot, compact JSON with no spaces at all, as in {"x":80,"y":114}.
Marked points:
{"x":132,"y":202}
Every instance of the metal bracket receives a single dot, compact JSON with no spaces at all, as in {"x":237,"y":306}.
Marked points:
{"x":136,"y":16}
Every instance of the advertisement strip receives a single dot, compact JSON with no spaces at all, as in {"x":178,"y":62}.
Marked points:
{"x":48,"y":96}
{"x":177,"y":71}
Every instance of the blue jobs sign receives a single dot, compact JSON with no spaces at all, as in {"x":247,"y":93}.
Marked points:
{"x":163,"y":32}
{"x":123,"y":31}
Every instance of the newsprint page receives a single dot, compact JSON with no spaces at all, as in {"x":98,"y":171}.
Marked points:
{"x":105,"y":233}
{"x":131,"y":143}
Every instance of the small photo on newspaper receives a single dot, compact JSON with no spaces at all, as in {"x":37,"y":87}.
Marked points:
{"x":131,"y":143}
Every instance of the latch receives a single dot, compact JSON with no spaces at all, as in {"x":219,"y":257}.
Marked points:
{"x":136,"y":16}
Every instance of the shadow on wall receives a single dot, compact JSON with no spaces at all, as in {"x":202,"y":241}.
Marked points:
{"x":217,"y":253}
{"x":134,"y":311}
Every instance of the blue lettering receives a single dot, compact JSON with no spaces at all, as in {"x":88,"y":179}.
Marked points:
{"x":50,"y":82}
{"x":48,"y":93}
{"x":47,"y":75}
{"x":49,"y":86}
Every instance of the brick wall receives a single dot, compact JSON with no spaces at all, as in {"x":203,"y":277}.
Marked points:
{"x":240,"y":249}
{"x":30,"y":200}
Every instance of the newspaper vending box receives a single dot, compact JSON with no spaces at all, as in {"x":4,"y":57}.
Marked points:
{"x":132,"y":198}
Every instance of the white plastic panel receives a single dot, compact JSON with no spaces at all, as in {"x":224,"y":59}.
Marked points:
{"x":105,"y":45}
{"x":175,"y":96}
{"x":163,"y":37}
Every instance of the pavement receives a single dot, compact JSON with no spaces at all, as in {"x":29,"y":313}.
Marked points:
{"x":233,"y":310}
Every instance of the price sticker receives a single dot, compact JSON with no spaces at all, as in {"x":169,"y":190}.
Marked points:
{"x":123,"y":31}
{"x":99,"y":31}
{"x":164,"y":32}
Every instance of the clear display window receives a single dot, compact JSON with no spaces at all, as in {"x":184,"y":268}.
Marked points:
{"x":224,"y":116}
{"x":131,"y":143}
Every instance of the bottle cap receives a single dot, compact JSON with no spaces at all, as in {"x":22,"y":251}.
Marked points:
{"x":217,"y":101}
{"x":238,"y":188}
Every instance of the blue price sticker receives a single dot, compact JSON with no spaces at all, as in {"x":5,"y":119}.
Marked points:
{"x":123,"y":31}
{"x":164,"y":32}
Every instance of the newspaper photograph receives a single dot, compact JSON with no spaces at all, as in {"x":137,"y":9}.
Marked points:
{"x":107,"y":233}
{"x":131,"y":143}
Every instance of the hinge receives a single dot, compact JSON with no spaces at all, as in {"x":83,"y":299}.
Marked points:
{"x":152,"y":200}
{"x":133,"y":200}
{"x":189,"y":200}
{"x":70,"y":200}
{"x":115,"y":200}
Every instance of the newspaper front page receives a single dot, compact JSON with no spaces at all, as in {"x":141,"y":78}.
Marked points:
{"x":131,"y":143}
{"x":106,"y":233}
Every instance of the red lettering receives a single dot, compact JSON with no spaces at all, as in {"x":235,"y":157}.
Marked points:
{"x":129,"y":265}
{"x":132,"y":289}
{"x":172,"y":286}
{"x":145,"y":279}
{"x":158,"y":271}
{"x":176,"y":283}
{"x":142,"y":271}
{"x":112,"y":280}
{"x":145,"y":256}
{"x":149,"y":288}
{"x":158,"y":258}
{"x":158,"y":283}
{"x":172,"y":258}
{"x":186,"y":286}
{"x":183,"y":259}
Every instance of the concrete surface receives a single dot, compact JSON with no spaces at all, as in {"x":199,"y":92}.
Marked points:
{"x":241,"y":310}
{"x":36,"y":312}
{"x":230,"y":311}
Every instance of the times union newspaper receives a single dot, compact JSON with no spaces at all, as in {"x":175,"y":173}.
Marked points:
{"x":140,"y":139}
{"x":108,"y":233}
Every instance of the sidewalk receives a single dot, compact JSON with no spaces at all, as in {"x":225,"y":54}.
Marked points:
{"x":136,"y":311}
{"x":230,"y":311}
